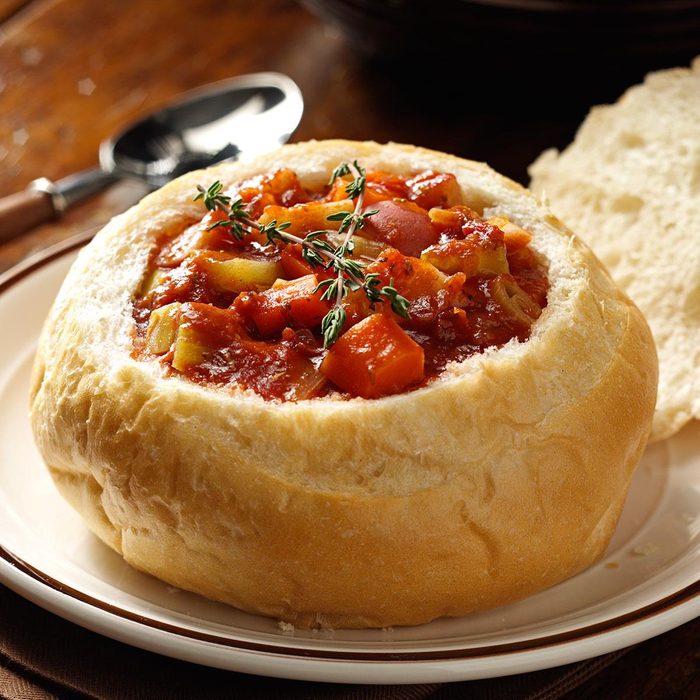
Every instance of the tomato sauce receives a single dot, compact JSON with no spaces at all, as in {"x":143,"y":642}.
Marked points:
{"x":249,"y":313}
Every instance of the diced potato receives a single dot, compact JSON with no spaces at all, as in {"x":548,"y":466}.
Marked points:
{"x":162,"y":328}
{"x":311,"y":216}
{"x":189,"y":349}
{"x":204,"y":330}
{"x":240,"y":274}
{"x":151,"y":281}
{"x":281,"y":283}
{"x":472,"y":257}
{"x":506,"y":292}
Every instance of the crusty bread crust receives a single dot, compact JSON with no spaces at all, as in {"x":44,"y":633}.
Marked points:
{"x":629,"y":185}
{"x":500,"y":479}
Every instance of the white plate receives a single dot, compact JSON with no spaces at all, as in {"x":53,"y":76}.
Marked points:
{"x":647,"y":583}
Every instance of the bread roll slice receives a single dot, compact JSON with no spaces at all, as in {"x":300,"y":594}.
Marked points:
{"x":500,"y":478}
{"x":629,"y":185}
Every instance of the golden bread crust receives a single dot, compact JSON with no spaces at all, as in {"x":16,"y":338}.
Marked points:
{"x":499,"y":479}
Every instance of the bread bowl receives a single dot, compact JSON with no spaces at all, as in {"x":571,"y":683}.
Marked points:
{"x":500,"y":477}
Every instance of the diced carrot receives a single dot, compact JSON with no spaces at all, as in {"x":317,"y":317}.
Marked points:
{"x":293,"y":263}
{"x":285,"y":187}
{"x":279,"y":187}
{"x":268,"y":318}
{"x":431,"y":189}
{"x":289,"y":304}
{"x":337,"y":191}
{"x":374,"y":358}
{"x":254,"y":200}
{"x":382,"y":185}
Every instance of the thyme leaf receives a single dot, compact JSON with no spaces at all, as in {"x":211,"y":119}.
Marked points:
{"x":212,"y":197}
{"x":332,"y":325}
{"x":399,"y":304}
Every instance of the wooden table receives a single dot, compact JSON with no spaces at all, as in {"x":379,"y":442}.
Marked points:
{"x":74,"y":71}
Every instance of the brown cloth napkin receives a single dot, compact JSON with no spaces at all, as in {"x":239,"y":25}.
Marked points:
{"x":43,"y":656}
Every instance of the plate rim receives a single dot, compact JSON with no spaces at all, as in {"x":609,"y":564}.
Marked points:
{"x":646,"y":612}
{"x":25,"y":267}
{"x":608,"y":635}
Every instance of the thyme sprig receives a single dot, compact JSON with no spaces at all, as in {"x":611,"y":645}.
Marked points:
{"x":316,"y":249}
{"x":213,"y":197}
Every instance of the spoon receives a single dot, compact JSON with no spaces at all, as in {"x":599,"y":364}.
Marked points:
{"x":234,"y":119}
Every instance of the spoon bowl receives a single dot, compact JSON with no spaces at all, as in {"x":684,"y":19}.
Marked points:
{"x":238,"y":118}
{"x":232,"y":119}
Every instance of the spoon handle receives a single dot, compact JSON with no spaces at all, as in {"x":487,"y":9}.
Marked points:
{"x":80,"y":185}
{"x":44,"y":201}
{"x":23,"y":211}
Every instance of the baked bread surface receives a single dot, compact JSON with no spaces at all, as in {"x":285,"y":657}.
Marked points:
{"x":501,"y":478}
{"x":629,"y":185}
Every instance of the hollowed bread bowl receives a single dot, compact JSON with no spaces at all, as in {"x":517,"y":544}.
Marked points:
{"x":502,"y":477}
